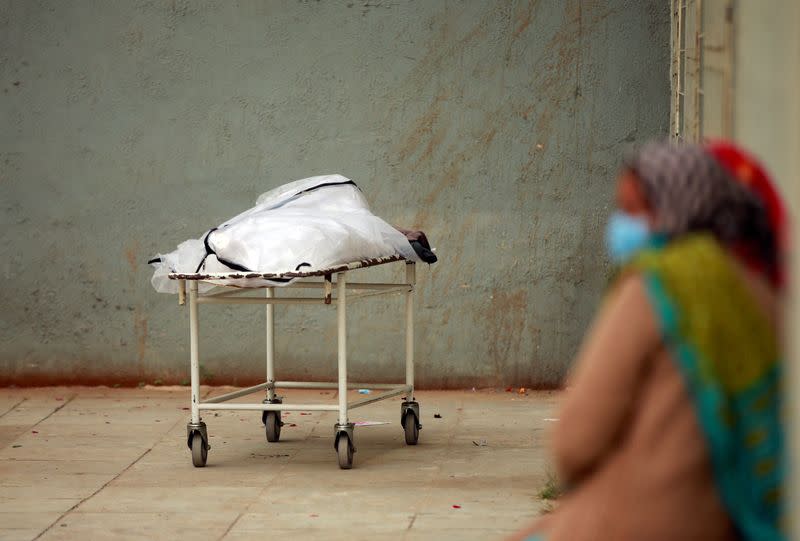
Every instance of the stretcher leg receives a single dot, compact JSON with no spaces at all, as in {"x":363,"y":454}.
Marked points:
{"x":410,"y":279}
{"x":197,"y":436}
{"x":344,"y":440}
{"x":194,"y":332}
{"x":341,"y":308}
{"x":270,"y":345}
{"x":409,"y":409}
{"x":271,"y":419}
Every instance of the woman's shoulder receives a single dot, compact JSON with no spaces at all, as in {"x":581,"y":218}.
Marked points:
{"x":628,"y":306}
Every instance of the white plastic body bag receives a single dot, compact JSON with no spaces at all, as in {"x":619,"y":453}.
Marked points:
{"x":307,"y":225}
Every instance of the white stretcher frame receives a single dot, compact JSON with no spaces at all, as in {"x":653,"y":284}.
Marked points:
{"x":196,"y":429}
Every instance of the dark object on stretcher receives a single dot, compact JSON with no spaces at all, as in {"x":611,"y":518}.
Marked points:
{"x":419,"y":242}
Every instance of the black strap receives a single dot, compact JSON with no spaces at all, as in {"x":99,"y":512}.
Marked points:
{"x":311,"y":189}
{"x":241,"y":268}
{"x":234,"y":266}
{"x":210,"y":251}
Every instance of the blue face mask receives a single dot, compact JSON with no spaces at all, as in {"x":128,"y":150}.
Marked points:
{"x":625,"y":236}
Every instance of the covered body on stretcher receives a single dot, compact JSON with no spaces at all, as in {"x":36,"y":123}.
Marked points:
{"x":319,"y":227}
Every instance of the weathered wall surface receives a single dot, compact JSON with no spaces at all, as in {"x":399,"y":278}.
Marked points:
{"x":496,"y":126}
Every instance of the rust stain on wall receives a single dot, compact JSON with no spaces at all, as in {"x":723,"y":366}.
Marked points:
{"x":448,"y":178}
{"x":435,"y":141}
{"x":140,"y":330}
{"x":504,"y":322}
{"x":132,"y":255}
{"x":422,"y":128}
{"x":451,"y":175}
{"x":524,"y":18}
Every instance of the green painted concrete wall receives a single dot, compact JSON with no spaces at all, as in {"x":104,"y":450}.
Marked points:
{"x":495,"y":126}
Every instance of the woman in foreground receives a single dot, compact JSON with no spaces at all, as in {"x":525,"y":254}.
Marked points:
{"x":671,"y":425}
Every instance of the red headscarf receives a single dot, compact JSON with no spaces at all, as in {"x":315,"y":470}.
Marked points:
{"x":747,"y":170}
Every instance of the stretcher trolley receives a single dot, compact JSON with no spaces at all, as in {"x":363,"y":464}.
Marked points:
{"x":330,"y":286}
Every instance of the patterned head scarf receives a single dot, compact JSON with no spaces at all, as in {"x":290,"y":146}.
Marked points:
{"x":750,"y":172}
{"x":689,"y":191}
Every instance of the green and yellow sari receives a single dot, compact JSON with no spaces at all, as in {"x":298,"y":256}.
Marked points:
{"x":729,"y":357}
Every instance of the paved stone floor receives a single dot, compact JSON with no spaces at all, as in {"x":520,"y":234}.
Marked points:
{"x":102,"y":463}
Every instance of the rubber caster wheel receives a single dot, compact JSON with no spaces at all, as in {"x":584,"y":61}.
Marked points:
{"x":199,"y":451}
{"x":411,"y":428}
{"x":272,"y":421}
{"x":344,"y":451}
